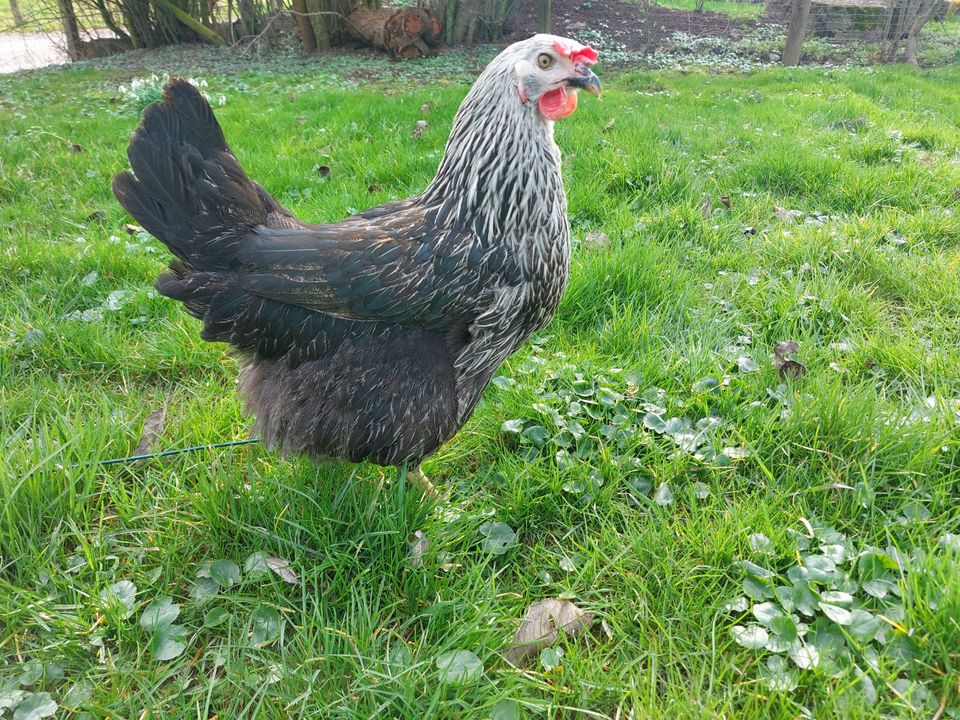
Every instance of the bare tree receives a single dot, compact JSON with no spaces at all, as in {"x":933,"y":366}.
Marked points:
{"x":796,"y":31}
{"x":904,"y":23}
{"x":71,"y":30}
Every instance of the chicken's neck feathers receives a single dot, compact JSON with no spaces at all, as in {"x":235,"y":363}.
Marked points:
{"x":500,"y":172}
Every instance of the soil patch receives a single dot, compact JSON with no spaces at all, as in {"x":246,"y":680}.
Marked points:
{"x":636,"y":27}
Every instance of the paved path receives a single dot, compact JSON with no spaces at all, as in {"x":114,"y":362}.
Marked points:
{"x":26,"y":50}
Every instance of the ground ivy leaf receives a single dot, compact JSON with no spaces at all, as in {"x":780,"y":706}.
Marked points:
{"x":498,"y":537}
{"x":652,"y":421}
{"x":785,"y":627}
{"x":537,"y":434}
{"x":760,"y":543}
{"x":215,"y":616}
{"x":549,"y":658}
{"x":30,"y":673}
{"x":839,"y":615}
{"x":757,"y":589}
{"x":11,"y":697}
{"x":505,"y":710}
{"x":78,"y":694}
{"x":836,"y":597}
{"x":755,"y":570}
{"x":159,"y":613}
{"x":225,"y":572}
{"x":256,"y":565}
{"x":204,"y":589}
{"x":664,"y":495}
{"x":168,"y":642}
{"x":805,"y":656}
{"x":766,"y":612}
{"x":863,"y":626}
{"x":123,"y":593}
{"x":738,"y":605}
{"x":777,"y":675}
{"x":266,"y":625}
{"x":514,"y":427}
{"x":752,"y":637}
{"x":35,"y":706}
{"x":458,"y":667}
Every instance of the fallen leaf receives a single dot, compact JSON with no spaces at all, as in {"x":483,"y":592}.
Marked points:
{"x":784,"y":215}
{"x":283,"y":570}
{"x":75,"y":148}
{"x":419,"y":128}
{"x":596,"y":239}
{"x":418,"y":546}
{"x":542,"y":625}
{"x":132,"y":229}
{"x":152,"y":430}
{"x":793,"y":369}
{"x":725,"y":200}
{"x":787,"y":366}
{"x":426,"y":107}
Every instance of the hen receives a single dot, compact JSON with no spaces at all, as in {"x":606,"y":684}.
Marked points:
{"x":371,"y":339}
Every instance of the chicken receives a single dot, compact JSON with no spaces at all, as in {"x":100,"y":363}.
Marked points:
{"x":373,"y":338}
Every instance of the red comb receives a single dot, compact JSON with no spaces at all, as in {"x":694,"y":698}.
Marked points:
{"x":575,"y":51}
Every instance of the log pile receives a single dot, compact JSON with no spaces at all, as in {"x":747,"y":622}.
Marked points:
{"x":407,"y":32}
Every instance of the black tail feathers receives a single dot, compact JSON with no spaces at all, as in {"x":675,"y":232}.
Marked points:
{"x":185,"y":186}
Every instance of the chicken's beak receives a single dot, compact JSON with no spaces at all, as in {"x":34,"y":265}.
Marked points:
{"x":584,"y":80}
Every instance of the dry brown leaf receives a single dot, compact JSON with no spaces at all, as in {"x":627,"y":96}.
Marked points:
{"x":706,"y":208}
{"x":426,"y":107}
{"x":152,"y":429}
{"x":542,"y":625}
{"x":786,"y":366}
{"x":132,"y":229}
{"x":282,"y":568}
{"x":75,"y":148}
{"x":419,"y":128}
{"x":596,"y":239}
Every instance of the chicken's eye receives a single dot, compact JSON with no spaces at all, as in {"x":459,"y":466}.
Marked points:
{"x":544,"y":61}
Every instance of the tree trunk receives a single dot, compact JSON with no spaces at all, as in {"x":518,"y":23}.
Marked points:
{"x":70,"y":29}
{"x":924,"y":15}
{"x":15,"y":9}
{"x":406,"y":32}
{"x":796,"y":31}
{"x":545,"y":16}
{"x":303,"y":24}
{"x":322,"y":24}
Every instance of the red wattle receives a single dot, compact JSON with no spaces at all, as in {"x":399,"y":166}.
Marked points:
{"x":557,"y":104}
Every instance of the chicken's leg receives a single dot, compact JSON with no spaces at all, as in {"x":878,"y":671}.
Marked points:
{"x":417,"y":479}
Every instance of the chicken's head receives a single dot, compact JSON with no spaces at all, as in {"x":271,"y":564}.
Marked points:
{"x":549,"y":71}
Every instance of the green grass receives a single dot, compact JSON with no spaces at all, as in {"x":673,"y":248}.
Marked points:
{"x":679,"y":288}
{"x":731,"y":8}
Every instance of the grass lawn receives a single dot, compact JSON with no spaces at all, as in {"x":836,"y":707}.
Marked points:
{"x":750,"y":543}
{"x":730,"y":8}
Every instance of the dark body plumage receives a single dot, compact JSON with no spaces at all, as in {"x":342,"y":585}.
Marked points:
{"x":371,"y":338}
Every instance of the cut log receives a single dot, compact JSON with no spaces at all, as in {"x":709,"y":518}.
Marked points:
{"x":403,"y":32}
